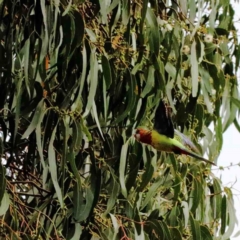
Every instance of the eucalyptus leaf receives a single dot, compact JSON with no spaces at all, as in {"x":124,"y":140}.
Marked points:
{"x":5,"y":203}
{"x":194,"y":69}
{"x":123,"y":161}
{"x":154,"y":38}
{"x":36,"y":120}
{"x":53,"y":167}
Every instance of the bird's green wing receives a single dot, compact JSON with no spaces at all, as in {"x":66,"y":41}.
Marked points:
{"x":185,"y":141}
{"x":163,"y":121}
{"x":189,"y":147}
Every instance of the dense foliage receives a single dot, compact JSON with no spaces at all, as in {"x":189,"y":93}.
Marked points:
{"x":76,"y":79}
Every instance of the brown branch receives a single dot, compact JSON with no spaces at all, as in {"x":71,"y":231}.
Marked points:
{"x":29,"y":182}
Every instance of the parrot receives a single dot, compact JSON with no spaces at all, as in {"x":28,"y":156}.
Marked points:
{"x":163,"y":136}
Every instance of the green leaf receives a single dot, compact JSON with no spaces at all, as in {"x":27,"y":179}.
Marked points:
{"x":186,"y":211}
{"x":172,"y":71}
{"x":166,"y":231}
{"x":125,"y":11}
{"x":219,"y":134}
{"x":184,"y":170}
{"x":123,"y":161}
{"x":236,"y":102}
{"x":177,"y":187}
{"x":103,"y":9}
{"x":106,"y":72}
{"x":143,"y":14}
{"x":206,"y":88}
{"x":192,"y":10}
{"x":195,"y":228}
{"x":137,"y":226}
{"x":3,"y":182}
{"x":223,"y":214}
{"x":152,"y":190}
{"x":18,"y":100}
{"x":1,"y":147}
{"x":218,"y":60}
{"x":77,"y":232}
{"x":155,"y":226}
{"x":93,"y":75}
{"x":113,"y":5}
{"x":40,"y":151}
{"x":77,"y":201}
{"x":77,"y":135}
{"x":5,"y":203}
{"x":131,"y":97}
{"x":71,"y":158}
{"x":147,"y":176}
{"x":210,"y":48}
{"x":91,"y":35}
{"x":217,"y":198}
{"x":85,"y":130}
{"x":79,"y":31}
{"x":154,"y":38}
{"x":194,"y":69}
{"x":36,"y":120}
{"x":176,"y":234}
{"x":84,"y":70}
{"x":115,"y":226}
{"x":115,"y":18}
{"x":45,"y":34}
{"x":85,"y":209}
{"x":134,"y":167}
{"x":95,"y":114}
{"x":199,"y":112}
{"x":26,"y":65}
{"x":150,"y":82}
{"x":205,"y":233}
{"x":52,"y":161}
{"x":237,"y":55}
{"x":195,"y":194}
{"x":114,"y":191}
{"x":231,"y":108}
{"x":232,"y":218}
{"x":236,"y":125}
{"x":173,"y":217}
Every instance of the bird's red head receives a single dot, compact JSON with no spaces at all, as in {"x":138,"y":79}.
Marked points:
{"x":143,"y":135}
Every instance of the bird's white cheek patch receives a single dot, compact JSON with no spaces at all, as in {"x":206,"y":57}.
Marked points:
{"x":137,"y":136}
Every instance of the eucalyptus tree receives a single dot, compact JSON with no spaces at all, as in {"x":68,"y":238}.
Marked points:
{"x":77,"y":77}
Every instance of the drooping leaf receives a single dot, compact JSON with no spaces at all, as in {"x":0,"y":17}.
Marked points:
{"x":5,"y":203}
{"x":52,"y":161}
{"x":123,"y":161}
{"x":106,"y":72}
{"x":194,"y":69}
{"x":205,"y":233}
{"x":115,"y":189}
{"x":3,"y":182}
{"x":92,"y":83}
{"x":223,"y":214}
{"x":131,"y":97}
{"x":154,"y":38}
{"x":125,"y":11}
{"x":36,"y":120}
{"x":195,"y":228}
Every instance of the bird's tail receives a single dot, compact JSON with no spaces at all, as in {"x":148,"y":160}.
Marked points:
{"x":185,"y":151}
